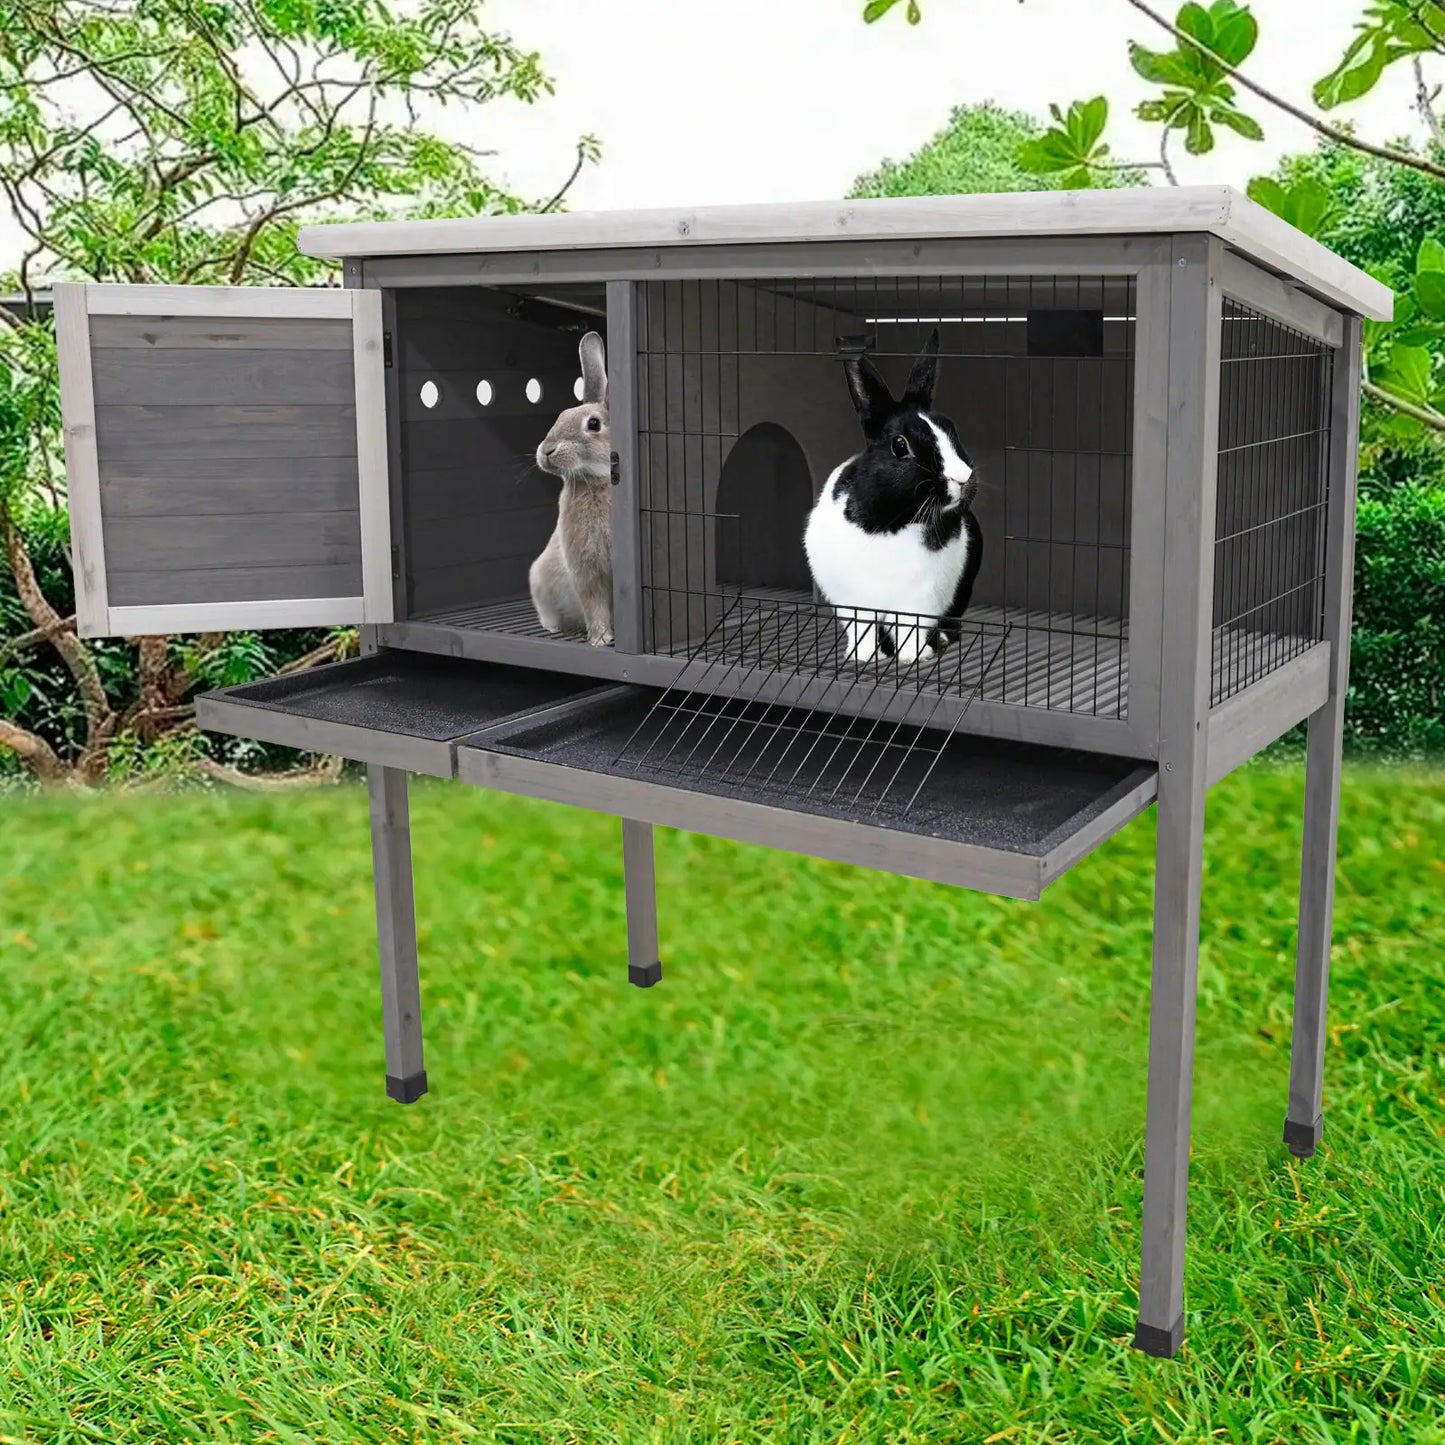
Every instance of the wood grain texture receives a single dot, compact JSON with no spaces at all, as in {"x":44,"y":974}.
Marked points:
{"x":206,"y":585}
{"x":209,"y":333}
{"x":281,"y":539}
{"x":1323,"y":751}
{"x":221,"y":486}
{"x":373,"y":460}
{"x":1195,"y":331}
{"x":252,"y":302}
{"x":1217,"y":210}
{"x":221,"y":377}
{"x":243,"y":615}
{"x":129,"y":435}
{"x":82,"y":466}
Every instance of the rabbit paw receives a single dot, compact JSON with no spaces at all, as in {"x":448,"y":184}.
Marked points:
{"x":600,"y":639}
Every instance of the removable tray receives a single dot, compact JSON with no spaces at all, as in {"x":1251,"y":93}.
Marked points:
{"x":403,"y":710}
{"x":998,"y":816}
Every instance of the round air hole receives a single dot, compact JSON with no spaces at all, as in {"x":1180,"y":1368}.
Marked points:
{"x":577,"y":389}
{"x":534,"y":391}
{"x":484,"y":393}
{"x":431,"y":393}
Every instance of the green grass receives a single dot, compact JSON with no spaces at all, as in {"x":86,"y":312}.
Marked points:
{"x":866,"y":1167}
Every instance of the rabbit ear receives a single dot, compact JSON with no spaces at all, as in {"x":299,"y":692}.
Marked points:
{"x":921,"y":380}
{"x":593,"y":355}
{"x":871,"y":398}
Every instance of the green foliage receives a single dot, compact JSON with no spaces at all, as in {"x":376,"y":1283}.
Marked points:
{"x":1197,"y":92}
{"x":1391,"y":31}
{"x":1397,"y":668}
{"x":1073,"y":147}
{"x":885,"y":1190}
{"x":979,"y":151}
{"x":877,"y":9}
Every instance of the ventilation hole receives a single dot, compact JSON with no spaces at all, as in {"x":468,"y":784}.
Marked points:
{"x":577,"y":389}
{"x":484,"y":392}
{"x":534,"y":391}
{"x":431,"y":393}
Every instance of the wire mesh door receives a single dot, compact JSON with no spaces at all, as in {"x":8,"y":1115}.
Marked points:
{"x":761,"y":707}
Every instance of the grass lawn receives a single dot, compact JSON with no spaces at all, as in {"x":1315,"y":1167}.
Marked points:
{"x":865,"y":1168}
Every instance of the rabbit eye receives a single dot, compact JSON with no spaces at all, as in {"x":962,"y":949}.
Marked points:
{"x":594,"y":423}
{"x":901,"y":447}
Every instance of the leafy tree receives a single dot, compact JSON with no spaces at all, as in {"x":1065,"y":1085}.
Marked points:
{"x":1200,"y":78}
{"x":186,"y":141}
{"x":981,"y":150}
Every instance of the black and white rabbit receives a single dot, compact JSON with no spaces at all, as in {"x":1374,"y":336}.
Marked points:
{"x":891,"y":541}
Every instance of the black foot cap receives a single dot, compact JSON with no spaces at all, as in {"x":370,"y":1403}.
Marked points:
{"x":1162,"y":1344}
{"x":407,"y":1090}
{"x":1304,"y":1139}
{"x":644,"y":976}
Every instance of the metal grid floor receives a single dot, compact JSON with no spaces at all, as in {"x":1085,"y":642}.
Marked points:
{"x":1053,"y":660}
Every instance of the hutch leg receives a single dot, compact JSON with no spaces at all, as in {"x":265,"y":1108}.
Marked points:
{"x":644,"y":967}
{"x":1177,"y":888}
{"x":1304,"y":1124}
{"x":396,"y":933}
{"x":1185,"y":687}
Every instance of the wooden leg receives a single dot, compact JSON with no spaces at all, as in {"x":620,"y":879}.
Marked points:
{"x":396,"y":933}
{"x":644,"y":968}
{"x":1304,"y":1123}
{"x":1177,"y":889}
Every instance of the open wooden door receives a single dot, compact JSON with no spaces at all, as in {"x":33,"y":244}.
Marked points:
{"x":226,"y":457}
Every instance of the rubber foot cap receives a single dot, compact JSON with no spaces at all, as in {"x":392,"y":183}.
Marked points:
{"x":1304,"y":1139}
{"x":1162,"y":1344}
{"x":407,"y":1090}
{"x":644,"y":975}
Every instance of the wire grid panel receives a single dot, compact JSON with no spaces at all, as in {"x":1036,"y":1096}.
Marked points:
{"x":1273,"y":496}
{"x":744,"y":412}
{"x":771,"y":713}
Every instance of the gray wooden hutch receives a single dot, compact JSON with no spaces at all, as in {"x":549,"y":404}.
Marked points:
{"x":1160,"y":389}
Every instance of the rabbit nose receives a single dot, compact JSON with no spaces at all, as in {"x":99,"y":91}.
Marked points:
{"x":549,"y":450}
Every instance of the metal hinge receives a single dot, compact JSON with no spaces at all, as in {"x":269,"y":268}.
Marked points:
{"x":616,"y":469}
{"x":395,"y":560}
{"x":386,"y":351}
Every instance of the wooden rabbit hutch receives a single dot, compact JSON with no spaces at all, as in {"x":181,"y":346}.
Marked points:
{"x":1159,"y":390}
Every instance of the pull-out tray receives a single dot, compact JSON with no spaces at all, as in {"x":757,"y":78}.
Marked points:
{"x":404,"y":710}
{"x":997,"y":816}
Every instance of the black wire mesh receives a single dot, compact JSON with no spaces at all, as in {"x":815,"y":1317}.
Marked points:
{"x":1273,"y":496}
{"x":762,"y":704}
{"x":743,"y":410}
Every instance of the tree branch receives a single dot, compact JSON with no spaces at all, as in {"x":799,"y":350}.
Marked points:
{"x":1425,"y":102}
{"x":1165,"y":164}
{"x":1428,"y":416}
{"x":76,"y":657}
{"x":570,"y":181}
{"x":33,"y":751}
{"x":1320,"y":127}
{"x":27,"y":640}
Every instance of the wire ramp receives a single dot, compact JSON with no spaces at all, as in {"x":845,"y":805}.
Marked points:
{"x":780,"y":728}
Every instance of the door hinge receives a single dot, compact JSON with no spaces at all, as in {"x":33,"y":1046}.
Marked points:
{"x":395,"y":561}
{"x":616,"y":469}
{"x":386,"y":350}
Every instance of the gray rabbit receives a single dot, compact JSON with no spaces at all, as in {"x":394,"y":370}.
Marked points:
{"x":571,"y":581}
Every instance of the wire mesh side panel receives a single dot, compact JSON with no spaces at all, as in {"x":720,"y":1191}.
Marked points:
{"x":744,"y":412}
{"x":1273,"y":496}
{"x":757,"y":709}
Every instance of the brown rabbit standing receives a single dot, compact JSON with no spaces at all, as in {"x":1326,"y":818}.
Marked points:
{"x":571,"y":581}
